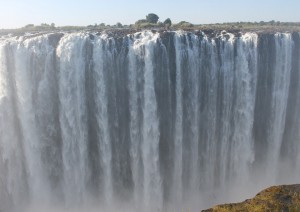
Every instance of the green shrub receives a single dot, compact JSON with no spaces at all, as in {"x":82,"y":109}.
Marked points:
{"x":152,"y":18}
{"x":183,"y":25}
{"x":168,"y":22}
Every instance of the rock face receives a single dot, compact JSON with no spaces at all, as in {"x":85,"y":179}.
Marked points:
{"x":275,"y":198}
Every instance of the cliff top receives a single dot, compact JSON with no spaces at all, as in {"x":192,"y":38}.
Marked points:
{"x":238,"y":27}
{"x":276,"y":198}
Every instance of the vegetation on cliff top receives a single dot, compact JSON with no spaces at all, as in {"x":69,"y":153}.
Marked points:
{"x":152,"y":22}
{"x":276,"y":198}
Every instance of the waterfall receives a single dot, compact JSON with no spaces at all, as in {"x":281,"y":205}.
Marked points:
{"x":102,"y":117}
{"x":73,"y":116}
{"x":148,"y":121}
{"x":178,"y":165}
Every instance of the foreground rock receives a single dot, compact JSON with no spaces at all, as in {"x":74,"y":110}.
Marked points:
{"x":276,"y":198}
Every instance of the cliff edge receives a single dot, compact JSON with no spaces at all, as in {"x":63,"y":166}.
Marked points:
{"x":275,"y":198}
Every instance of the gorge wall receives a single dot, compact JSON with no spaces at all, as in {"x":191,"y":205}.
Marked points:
{"x":148,"y":121}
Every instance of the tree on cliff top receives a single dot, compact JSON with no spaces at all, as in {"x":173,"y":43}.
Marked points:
{"x":152,"y":18}
{"x":167,"y":23}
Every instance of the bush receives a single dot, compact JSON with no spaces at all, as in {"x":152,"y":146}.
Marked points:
{"x":152,"y":18}
{"x":29,"y":26}
{"x":160,"y":24}
{"x":119,"y":25}
{"x":168,"y":22}
{"x":183,"y":24}
{"x":141,"y":21}
{"x":146,"y":25}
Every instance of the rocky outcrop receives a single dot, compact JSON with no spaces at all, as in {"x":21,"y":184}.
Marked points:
{"x":275,"y":198}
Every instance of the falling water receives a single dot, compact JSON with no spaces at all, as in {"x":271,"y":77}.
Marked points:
{"x":148,"y":121}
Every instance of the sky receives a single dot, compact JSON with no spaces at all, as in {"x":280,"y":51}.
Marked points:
{"x":18,"y":13}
